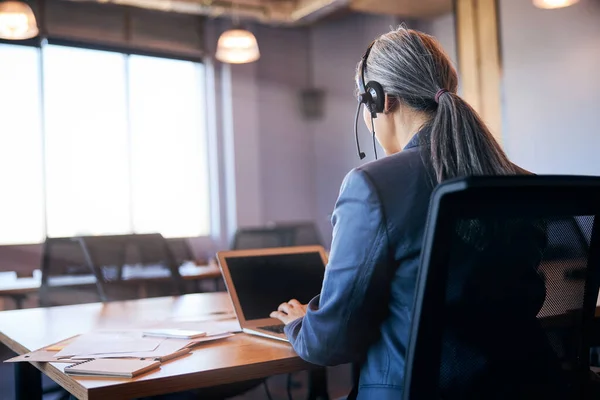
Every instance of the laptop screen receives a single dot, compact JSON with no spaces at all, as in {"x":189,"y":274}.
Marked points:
{"x":263,"y":282}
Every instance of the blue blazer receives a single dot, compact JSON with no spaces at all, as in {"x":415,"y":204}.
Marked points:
{"x":363,"y":313}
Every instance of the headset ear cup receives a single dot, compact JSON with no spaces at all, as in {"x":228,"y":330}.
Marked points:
{"x":377,"y":96}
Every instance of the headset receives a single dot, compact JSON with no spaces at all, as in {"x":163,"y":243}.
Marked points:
{"x":372,"y":96}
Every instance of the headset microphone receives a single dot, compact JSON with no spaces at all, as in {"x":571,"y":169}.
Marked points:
{"x":372,"y":96}
{"x":361,"y":155}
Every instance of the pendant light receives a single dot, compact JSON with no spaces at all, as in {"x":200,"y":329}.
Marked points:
{"x":17,"y":21}
{"x":237,"y":46}
{"x":551,"y":4}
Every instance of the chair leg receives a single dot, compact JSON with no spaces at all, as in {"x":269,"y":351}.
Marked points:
{"x":317,"y":384}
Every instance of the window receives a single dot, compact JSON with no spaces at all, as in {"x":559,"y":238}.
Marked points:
{"x":124,"y":144}
{"x":85,"y":107}
{"x":166,"y":114}
{"x":21,"y":183}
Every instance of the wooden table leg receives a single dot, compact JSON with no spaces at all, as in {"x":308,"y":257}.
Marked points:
{"x":317,"y":384}
{"x":28,"y":382}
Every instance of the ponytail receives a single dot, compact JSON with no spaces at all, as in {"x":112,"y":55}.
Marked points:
{"x":413,"y":68}
{"x":461,"y":144}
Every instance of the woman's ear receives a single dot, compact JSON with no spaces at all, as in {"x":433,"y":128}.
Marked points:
{"x":390,"y":104}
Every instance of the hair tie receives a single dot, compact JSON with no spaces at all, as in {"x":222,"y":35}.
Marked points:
{"x":439,"y":94}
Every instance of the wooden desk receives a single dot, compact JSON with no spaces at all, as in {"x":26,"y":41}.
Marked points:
{"x":235,"y":359}
{"x":19,"y":288}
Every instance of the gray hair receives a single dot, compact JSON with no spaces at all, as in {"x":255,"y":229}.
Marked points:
{"x":412,"y":68}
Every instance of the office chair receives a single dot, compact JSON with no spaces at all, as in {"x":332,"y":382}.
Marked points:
{"x":181,"y":250}
{"x":301,"y":233}
{"x":573,"y":227}
{"x":260,"y":238}
{"x":149,"y":253}
{"x":280,"y":234}
{"x":488,"y":264}
{"x":67,"y":277}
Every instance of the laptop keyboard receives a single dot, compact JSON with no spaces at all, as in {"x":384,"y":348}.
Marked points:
{"x":273,"y":328}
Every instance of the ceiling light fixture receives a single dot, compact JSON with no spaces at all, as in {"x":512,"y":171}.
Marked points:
{"x":17,"y":21}
{"x":237,"y":46}
{"x":551,"y":4}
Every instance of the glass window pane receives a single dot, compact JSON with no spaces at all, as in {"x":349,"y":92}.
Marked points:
{"x":86,"y":142}
{"x":21,"y":202}
{"x":169,"y":157}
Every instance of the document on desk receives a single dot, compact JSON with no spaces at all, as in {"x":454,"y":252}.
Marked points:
{"x":167,"y":349}
{"x":164,"y":349}
{"x":212,"y":327}
{"x":108,"y":342}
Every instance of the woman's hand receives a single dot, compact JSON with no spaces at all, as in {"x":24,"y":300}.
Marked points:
{"x":290,"y":311}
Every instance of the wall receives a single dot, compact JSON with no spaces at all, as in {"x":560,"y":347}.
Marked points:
{"x":336,"y":48}
{"x":286,"y":167}
{"x":551,"y":83}
{"x":267,"y":150}
{"x":287,"y":153}
{"x":551,"y":62}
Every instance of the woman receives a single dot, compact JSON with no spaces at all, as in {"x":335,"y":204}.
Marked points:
{"x":429,"y":134}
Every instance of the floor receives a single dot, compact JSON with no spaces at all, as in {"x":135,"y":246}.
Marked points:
{"x":339,"y":384}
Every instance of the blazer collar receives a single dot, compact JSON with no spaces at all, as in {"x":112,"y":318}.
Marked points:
{"x":418,"y":138}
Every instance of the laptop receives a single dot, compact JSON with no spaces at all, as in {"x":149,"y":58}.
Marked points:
{"x":258,"y":281}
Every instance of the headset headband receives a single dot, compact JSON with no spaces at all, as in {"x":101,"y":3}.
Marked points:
{"x":372,"y":96}
{"x":363,"y":67}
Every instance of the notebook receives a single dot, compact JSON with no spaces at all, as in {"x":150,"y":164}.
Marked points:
{"x":121,"y":367}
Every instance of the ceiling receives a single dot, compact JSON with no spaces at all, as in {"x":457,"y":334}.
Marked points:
{"x":292,"y":12}
{"x":404,"y":8}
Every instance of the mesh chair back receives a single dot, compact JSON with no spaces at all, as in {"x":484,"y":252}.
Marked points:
{"x":128,"y":257}
{"x":63,"y":256}
{"x":260,"y":238}
{"x":280,"y":235}
{"x":302,"y":233}
{"x":507,"y":289}
{"x":181,"y":250}
{"x":67,"y":277}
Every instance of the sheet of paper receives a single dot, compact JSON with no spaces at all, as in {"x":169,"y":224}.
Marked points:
{"x":127,"y":343}
{"x":211,"y":328}
{"x":166,"y":347}
{"x":40,"y":356}
{"x":212,"y":338}
{"x":45,"y":354}
{"x":216,"y":316}
{"x":109,"y":342}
